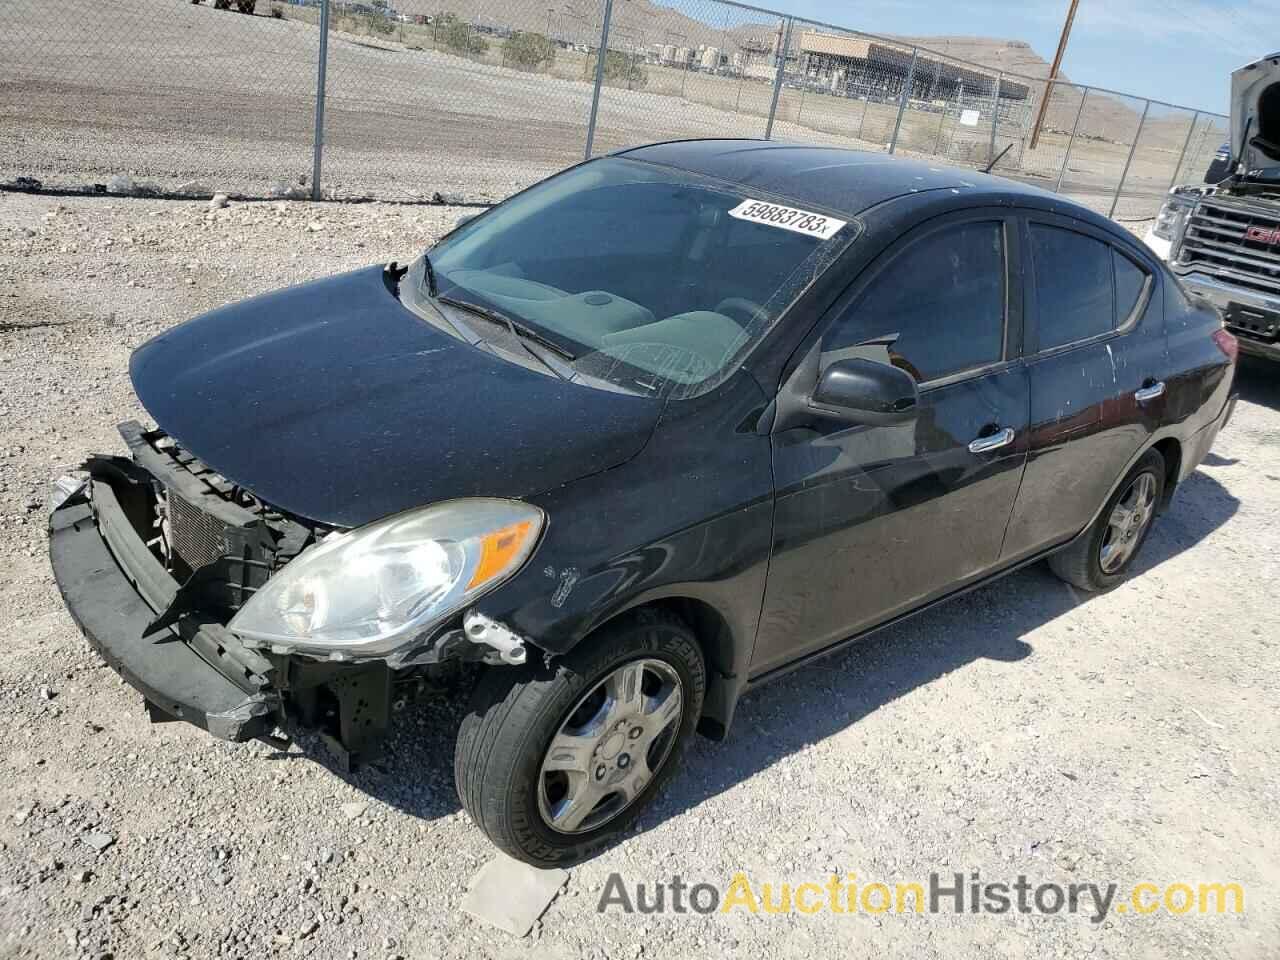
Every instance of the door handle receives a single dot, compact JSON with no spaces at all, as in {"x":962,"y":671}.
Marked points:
{"x":1149,"y":391}
{"x":1001,"y":438}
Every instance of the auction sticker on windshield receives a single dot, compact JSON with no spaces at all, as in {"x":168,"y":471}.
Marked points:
{"x":788,"y":218}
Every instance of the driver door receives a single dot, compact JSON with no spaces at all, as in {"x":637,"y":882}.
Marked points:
{"x":871,"y":521}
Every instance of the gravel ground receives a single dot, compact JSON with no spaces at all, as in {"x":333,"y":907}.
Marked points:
{"x":1022,"y":729}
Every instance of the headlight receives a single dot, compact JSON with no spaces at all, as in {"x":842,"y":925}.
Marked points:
{"x":1170,"y":216}
{"x":367,"y":592}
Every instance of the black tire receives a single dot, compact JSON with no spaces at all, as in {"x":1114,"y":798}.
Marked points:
{"x":516,"y":712}
{"x":1081,"y":563}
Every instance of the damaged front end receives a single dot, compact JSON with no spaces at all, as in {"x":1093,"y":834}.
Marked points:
{"x":155,"y":554}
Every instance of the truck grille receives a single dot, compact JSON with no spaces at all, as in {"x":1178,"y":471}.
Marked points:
{"x":1234,"y":244}
{"x":194,"y":536}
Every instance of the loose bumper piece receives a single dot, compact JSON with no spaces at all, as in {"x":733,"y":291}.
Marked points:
{"x":165,"y":666}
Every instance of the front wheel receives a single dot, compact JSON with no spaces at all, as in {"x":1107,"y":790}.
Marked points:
{"x":554,"y":763}
{"x":1101,"y":558}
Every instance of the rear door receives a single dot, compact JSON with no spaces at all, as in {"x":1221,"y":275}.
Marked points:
{"x":870,"y":521}
{"x":1098,"y":364}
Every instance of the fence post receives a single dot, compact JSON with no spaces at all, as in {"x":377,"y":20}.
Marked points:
{"x":318,"y":140}
{"x":601,"y":56}
{"x":995,"y":118}
{"x":1182,"y":156}
{"x":937,"y":140}
{"x":1129,"y":159}
{"x":778,"y":77}
{"x":902,"y":100}
{"x":1066,"y":155}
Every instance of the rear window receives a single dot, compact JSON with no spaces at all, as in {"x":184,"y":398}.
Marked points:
{"x":1075,"y":285}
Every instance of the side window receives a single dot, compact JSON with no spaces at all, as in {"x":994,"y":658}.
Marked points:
{"x":1075,"y":285}
{"x":1130,"y":281}
{"x":937,"y":309}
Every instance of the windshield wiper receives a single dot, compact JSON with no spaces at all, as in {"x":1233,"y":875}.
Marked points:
{"x":518,"y":329}
{"x":432,"y":290}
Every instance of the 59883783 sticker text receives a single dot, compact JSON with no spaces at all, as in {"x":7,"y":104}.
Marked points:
{"x":788,"y":218}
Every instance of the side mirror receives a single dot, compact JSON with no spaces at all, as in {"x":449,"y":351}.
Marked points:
{"x":864,"y":391}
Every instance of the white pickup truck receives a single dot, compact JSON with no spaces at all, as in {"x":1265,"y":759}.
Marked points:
{"x":1223,"y":239}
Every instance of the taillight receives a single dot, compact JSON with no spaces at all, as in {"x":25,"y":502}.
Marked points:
{"x":1227,"y":344}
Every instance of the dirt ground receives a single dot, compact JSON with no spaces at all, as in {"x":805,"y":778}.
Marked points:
{"x":177,"y":95}
{"x":1023,"y":729}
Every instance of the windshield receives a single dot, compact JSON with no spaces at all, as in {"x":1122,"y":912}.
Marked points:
{"x":647,"y":277}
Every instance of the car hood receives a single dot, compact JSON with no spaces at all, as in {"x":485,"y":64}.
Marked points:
{"x":1255,"y":102}
{"x":333,"y":402}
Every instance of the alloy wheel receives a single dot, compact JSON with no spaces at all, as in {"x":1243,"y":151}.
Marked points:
{"x":1129,"y":519}
{"x":610,"y":746}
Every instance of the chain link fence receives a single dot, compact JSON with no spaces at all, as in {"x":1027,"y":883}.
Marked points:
{"x":471,"y":100}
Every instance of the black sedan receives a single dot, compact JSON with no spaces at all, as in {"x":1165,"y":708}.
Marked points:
{"x":641,"y":437}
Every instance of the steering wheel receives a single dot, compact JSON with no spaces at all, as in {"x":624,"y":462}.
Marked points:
{"x":745,"y":309}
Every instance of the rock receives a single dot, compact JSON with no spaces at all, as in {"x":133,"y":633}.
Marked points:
{"x":512,"y":895}
{"x":290,"y":191}
{"x":46,"y":692}
{"x":354,"y":810}
{"x":315,"y":226}
{"x":192,"y":187}
{"x":219,"y":201}
{"x":122,"y":184}
{"x":99,"y":841}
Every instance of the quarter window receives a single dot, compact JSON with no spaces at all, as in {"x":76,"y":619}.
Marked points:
{"x":937,"y":309}
{"x":1075,"y":285}
{"x":1130,"y":280}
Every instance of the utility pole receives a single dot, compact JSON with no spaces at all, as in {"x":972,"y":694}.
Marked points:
{"x":1053,"y":74}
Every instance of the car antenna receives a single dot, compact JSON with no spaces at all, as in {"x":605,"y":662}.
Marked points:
{"x":987,"y":168}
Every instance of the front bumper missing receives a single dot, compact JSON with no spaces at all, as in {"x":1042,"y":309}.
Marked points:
{"x":182,"y":659}
{"x":169,"y":640}
{"x":171,"y":667}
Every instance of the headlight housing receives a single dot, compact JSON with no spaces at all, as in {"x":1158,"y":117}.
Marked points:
{"x":367,"y":592}
{"x":1172,"y":212}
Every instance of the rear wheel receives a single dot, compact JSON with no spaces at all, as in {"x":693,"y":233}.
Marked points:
{"x":1101,"y":558}
{"x":553,"y":764}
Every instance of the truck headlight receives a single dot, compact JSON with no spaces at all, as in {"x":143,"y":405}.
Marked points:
{"x":1171,"y":214}
{"x":371,"y":590}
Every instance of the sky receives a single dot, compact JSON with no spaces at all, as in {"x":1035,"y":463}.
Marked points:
{"x":1179,"y":51}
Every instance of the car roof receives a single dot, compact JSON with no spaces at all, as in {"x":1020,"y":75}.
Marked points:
{"x":843,"y":180}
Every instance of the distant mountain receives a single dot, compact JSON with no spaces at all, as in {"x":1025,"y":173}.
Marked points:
{"x":642,"y":22}
{"x":728,"y":28}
